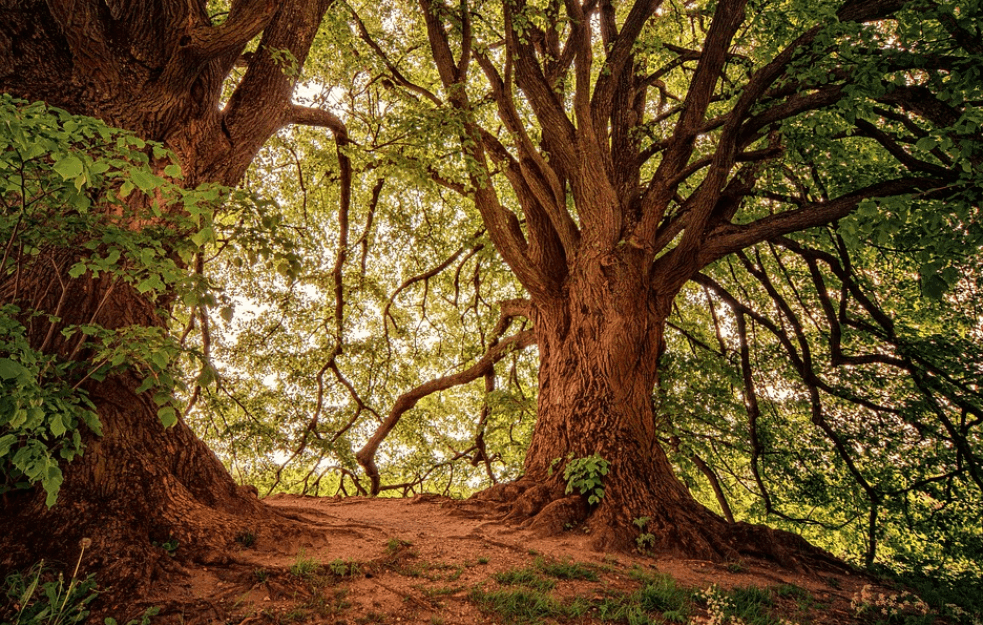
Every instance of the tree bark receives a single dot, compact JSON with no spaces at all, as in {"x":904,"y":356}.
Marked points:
{"x":599,"y":347}
{"x":157,"y":69}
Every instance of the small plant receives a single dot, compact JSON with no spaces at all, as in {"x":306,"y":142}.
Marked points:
{"x":483,"y":560}
{"x":344,"y":568}
{"x":52,"y":602}
{"x":736,"y":567}
{"x":304,"y":567}
{"x":170,"y":545}
{"x":645,"y":540}
{"x":586,"y":475}
{"x":395,"y":544}
{"x":518,"y":606}
{"x":246,"y":539}
{"x":261,"y":575}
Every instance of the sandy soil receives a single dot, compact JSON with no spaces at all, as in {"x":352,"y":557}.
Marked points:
{"x":408,"y":561}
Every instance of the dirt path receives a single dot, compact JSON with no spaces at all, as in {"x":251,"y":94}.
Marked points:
{"x":434,"y":561}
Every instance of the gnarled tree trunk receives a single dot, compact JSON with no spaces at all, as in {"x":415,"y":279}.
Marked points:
{"x":599,"y":348}
{"x":157,"y":69}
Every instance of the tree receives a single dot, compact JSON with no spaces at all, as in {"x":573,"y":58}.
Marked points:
{"x":161,"y":71}
{"x":616,"y":151}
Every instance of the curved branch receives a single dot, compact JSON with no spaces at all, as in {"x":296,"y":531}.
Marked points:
{"x":406,"y":401}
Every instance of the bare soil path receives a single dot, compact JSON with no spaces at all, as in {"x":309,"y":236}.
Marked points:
{"x":430,"y":560}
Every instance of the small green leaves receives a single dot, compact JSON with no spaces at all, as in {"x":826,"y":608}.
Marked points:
{"x":586,"y":475}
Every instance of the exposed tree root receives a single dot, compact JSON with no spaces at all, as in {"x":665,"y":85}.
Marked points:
{"x":147,"y":500}
{"x":684,"y":529}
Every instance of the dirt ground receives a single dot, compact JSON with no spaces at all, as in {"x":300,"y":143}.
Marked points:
{"x":408,"y":561}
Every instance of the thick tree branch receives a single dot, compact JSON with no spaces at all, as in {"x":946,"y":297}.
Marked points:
{"x":409,"y":399}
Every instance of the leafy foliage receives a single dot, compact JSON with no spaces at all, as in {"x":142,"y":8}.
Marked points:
{"x":586,"y":475}
{"x":72,"y":189}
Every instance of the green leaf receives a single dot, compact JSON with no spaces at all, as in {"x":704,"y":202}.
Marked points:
{"x":58,"y":425}
{"x":167,"y":416}
{"x":10,"y":369}
{"x":6,"y":442}
{"x":174,"y":171}
{"x":69,"y":167}
{"x":77,"y":269}
{"x":147,"y":384}
{"x":160,"y":359}
{"x":145,"y":180}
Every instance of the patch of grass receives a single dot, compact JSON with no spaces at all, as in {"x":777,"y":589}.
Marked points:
{"x":736,"y":567}
{"x":518,"y":606}
{"x":261,"y":575}
{"x":334,"y":605}
{"x":483,"y":560}
{"x":804,"y":599}
{"x":662,"y":594}
{"x":305,"y":567}
{"x":751,"y":604}
{"x":566,"y":569}
{"x":246,"y":539}
{"x":524,"y":577}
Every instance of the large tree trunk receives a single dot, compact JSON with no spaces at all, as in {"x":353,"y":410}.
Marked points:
{"x":157,"y":69}
{"x":599,"y":349}
{"x":137,"y":486}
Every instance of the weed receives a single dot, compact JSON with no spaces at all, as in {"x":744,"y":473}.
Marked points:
{"x":645,"y":540}
{"x":751,"y":604}
{"x":143,"y":619}
{"x":483,"y":560}
{"x":261,"y":575}
{"x":304,"y":567}
{"x":524,"y":577}
{"x":566,"y":570}
{"x":395,"y":544}
{"x":518,"y":606}
{"x":372,"y":617}
{"x":246,"y":539}
{"x":344,"y":568}
{"x":802,"y":597}
{"x":661,"y":594}
{"x":53,"y":602}
{"x":170,"y":545}
{"x":736,"y":567}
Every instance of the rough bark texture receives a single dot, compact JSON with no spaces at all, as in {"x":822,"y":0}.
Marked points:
{"x":599,"y":351}
{"x":157,"y":69}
